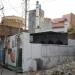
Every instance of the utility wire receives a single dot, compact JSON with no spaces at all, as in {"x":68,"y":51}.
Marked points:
{"x":11,"y":7}
{"x":2,"y":7}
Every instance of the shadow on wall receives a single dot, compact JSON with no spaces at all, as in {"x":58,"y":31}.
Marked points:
{"x":39,"y":64}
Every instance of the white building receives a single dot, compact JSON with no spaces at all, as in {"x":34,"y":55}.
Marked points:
{"x":26,"y":56}
{"x":37,"y":22}
{"x":36,"y":18}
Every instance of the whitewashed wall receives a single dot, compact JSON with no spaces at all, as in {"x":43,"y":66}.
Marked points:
{"x":29,"y":52}
{"x":56,"y":54}
{"x":59,"y":30}
{"x":71,"y":42}
{"x":50,"y":54}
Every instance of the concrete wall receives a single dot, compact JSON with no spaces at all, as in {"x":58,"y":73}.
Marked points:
{"x":58,"y":29}
{"x":51,"y":55}
{"x":71,"y":42}
{"x":45,"y":25}
{"x":32,"y":21}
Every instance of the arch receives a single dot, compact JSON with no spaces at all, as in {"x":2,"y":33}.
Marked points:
{"x":50,"y":42}
{"x":59,"y":42}
{"x":42,"y":42}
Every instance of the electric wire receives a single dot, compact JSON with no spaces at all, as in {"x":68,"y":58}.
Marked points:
{"x":12,"y":7}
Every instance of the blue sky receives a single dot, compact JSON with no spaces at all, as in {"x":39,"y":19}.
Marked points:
{"x":52,"y":8}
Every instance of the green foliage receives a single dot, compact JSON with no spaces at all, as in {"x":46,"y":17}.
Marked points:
{"x":71,"y":30}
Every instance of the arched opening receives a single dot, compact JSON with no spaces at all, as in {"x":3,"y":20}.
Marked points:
{"x":50,"y":42}
{"x":42,"y":42}
{"x":59,"y":42}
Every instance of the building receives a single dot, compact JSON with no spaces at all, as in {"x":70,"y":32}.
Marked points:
{"x":36,"y":55}
{"x":8,"y":30}
{"x":36,"y":18}
{"x":45,"y":26}
{"x":70,"y":18}
{"x":11,"y":25}
{"x":63,"y":24}
{"x":32,"y":20}
{"x":39,"y":48}
{"x":13,"y":21}
{"x":37,"y":21}
{"x":60,"y":25}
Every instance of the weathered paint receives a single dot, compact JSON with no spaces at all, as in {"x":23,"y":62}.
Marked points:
{"x":50,"y":54}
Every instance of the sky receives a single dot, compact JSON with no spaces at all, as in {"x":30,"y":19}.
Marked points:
{"x":52,"y":8}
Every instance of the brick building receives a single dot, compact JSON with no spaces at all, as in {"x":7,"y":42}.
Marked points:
{"x":65,"y":24}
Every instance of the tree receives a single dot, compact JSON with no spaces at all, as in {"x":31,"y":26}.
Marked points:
{"x":71,"y":30}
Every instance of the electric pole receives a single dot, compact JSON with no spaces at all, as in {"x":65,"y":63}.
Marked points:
{"x":18,"y":35}
{"x":25,"y":10}
{"x":25,"y":13}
